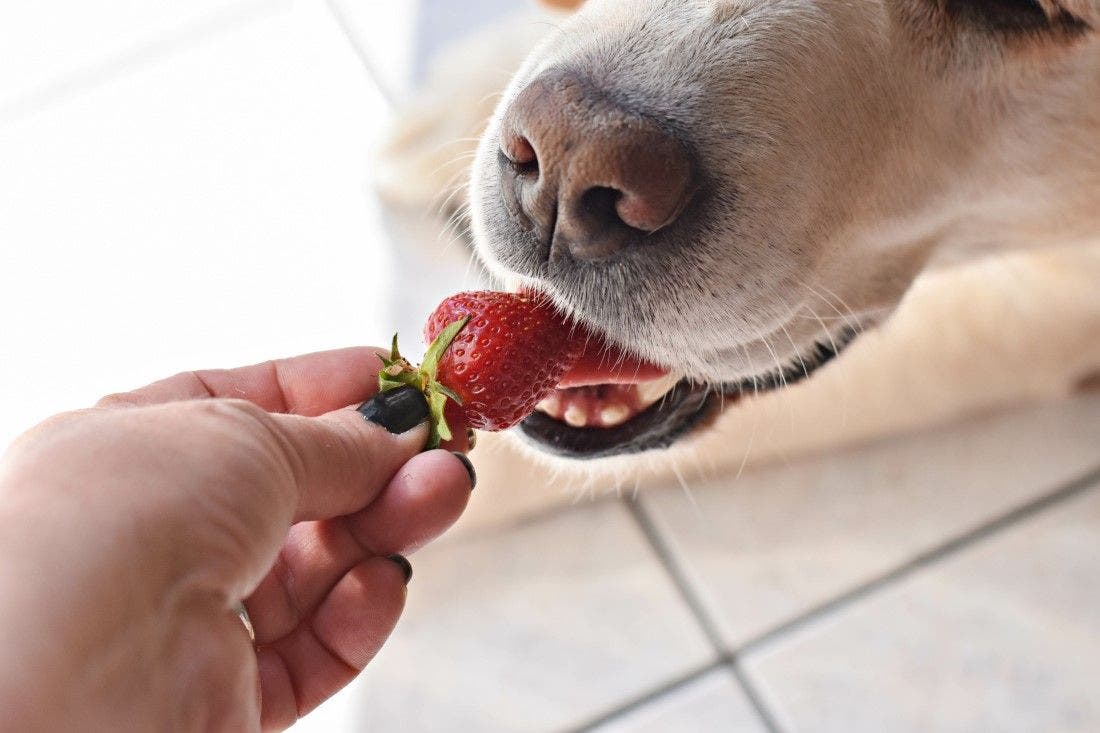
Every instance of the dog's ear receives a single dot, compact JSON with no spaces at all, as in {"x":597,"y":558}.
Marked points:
{"x":1086,"y":11}
{"x":1015,"y":17}
{"x":562,"y":4}
{"x":968,"y":30}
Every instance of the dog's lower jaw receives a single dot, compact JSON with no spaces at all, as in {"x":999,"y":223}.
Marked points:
{"x":689,"y":407}
{"x":677,"y":414}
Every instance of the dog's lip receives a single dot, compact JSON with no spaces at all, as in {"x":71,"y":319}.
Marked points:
{"x":686,"y":406}
{"x":689,"y":405}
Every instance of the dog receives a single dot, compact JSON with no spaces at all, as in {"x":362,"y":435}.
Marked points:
{"x":746,"y":191}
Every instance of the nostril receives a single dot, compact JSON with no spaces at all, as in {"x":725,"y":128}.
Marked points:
{"x":587,"y":176}
{"x":521,"y":154}
{"x":591,"y":228}
{"x":600,"y":205}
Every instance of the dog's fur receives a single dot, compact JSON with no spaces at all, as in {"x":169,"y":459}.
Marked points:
{"x":932,"y":166}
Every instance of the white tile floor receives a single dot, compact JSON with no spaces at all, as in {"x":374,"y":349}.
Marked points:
{"x":534,"y":629}
{"x":1001,"y":635}
{"x":928,"y":582}
{"x":794,"y":537}
{"x":184,"y":184}
{"x":713,"y":702}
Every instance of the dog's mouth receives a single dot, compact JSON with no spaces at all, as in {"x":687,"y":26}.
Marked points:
{"x":602,"y":420}
{"x":642,"y":409}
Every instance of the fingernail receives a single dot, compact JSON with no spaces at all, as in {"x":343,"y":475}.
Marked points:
{"x":471,"y":438}
{"x":398,"y":410}
{"x":469,"y":468}
{"x":405,"y":565}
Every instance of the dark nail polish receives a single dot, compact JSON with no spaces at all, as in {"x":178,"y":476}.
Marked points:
{"x":469,"y":468}
{"x":405,"y":565}
{"x":398,"y":410}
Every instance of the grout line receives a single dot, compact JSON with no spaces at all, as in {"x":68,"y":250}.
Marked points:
{"x":388,"y":93}
{"x":767,"y":717}
{"x":672,"y":566}
{"x":725,"y":661}
{"x":1079,"y":486}
{"x":1076,"y":487}
{"x":698,"y":610}
{"x":96,"y":74}
{"x":653,"y":694}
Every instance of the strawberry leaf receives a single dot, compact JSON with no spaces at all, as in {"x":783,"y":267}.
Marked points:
{"x":386,"y":382}
{"x":449,"y":392}
{"x":397,"y":372}
{"x":441,"y":431}
{"x":442,"y":342}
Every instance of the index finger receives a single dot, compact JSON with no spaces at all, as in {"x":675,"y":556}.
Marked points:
{"x":309,"y":385}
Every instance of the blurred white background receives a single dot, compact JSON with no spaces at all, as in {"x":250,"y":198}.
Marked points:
{"x":183,"y":184}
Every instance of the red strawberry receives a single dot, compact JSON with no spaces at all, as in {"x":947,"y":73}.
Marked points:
{"x":495,"y":355}
{"x":510,"y":355}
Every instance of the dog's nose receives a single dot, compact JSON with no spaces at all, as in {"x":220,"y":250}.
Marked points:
{"x":588,"y":175}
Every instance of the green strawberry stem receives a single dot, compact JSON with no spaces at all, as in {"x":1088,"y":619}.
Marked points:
{"x":398,"y":372}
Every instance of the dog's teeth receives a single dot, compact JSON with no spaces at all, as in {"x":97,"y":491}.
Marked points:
{"x":613,"y":415}
{"x":575,"y":417}
{"x":550,"y":405}
{"x":650,"y":392}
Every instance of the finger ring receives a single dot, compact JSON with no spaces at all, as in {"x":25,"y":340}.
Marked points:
{"x":242,"y":614}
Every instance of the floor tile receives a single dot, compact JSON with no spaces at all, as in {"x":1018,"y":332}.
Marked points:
{"x":714,"y":703}
{"x":534,"y":629}
{"x":779,"y":541}
{"x":209,"y":209}
{"x":1002,"y":637}
{"x":52,"y":45}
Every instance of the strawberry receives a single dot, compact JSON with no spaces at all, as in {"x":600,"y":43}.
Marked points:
{"x":493,"y":355}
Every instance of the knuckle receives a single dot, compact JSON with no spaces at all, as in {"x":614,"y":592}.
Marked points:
{"x":262,"y":431}
{"x":355,"y":446}
{"x":251,"y":480}
{"x":52,"y":434}
{"x":241,"y":442}
{"x":118,"y":399}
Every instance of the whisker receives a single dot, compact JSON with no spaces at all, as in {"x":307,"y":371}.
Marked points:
{"x":844,"y":304}
{"x":836,"y":350}
{"x":848,"y":321}
{"x":797,"y":353}
{"x":450,"y":228}
{"x":458,"y":184}
{"x":779,"y":371}
{"x":470,"y":261}
{"x":687,"y":489}
{"x":748,"y":448}
{"x":783,"y":386}
{"x":753,"y":370}
{"x":465,"y":155}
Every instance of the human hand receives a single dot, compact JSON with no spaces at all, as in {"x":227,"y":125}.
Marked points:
{"x":131,"y":531}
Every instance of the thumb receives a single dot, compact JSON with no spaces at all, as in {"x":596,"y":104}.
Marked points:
{"x":341,"y":461}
